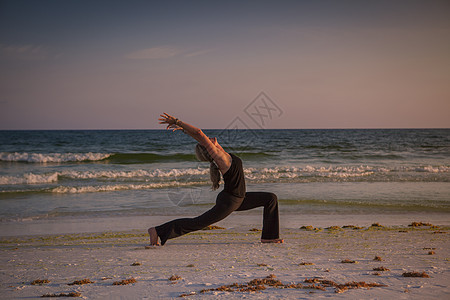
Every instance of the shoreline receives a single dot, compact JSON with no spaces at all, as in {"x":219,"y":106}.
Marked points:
{"x":236,"y":219}
{"x":204,"y":263}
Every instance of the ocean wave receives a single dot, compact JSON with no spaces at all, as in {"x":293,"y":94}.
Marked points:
{"x":433,"y":169}
{"x":29,"y":178}
{"x":142,"y":158}
{"x":157,"y":173}
{"x":305,"y":173}
{"x":120,"y":187}
{"x":51,"y":157}
{"x":112,"y":158}
{"x":348,"y":173}
{"x":281,"y":174}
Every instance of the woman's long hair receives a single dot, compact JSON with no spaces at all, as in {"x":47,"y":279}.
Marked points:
{"x":202,"y":154}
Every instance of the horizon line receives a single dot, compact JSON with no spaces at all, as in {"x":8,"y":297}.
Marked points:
{"x":318,"y":128}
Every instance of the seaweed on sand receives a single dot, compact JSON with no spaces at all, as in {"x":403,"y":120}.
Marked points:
{"x":174,"y":278}
{"x":260,"y":284}
{"x":348,"y":261}
{"x":40,"y":281}
{"x":125,"y":281}
{"x":81,"y":282}
{"x":419,"y":224}
{"x":255,"y":230}
{"x":416,"y":274}
{"x":377,"y":258}
{"x":71,"y":294}
{"x":377,"y":225}
{"x":381,"y":269}
{"x":213,"y":227}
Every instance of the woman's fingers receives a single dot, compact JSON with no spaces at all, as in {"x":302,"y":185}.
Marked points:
{"x":166,"y":119}
{"x":165,"y":116}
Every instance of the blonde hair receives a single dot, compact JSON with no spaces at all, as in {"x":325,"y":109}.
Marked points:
{"x":202,"y":154}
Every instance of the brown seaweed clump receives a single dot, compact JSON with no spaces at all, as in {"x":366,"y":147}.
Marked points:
{"x":125,"y":281}
{"x":71,"y":294}
{"x":431,"y":252}
{"x":40,"y":281}
{"x":255,"y":230}
{"x":309,"y":228}
{"x":351,"y":227}
{"x":348,"y":261}
{"x":340,"y":288}
{"x":378,"y":225}
{"x":262,"y":265}
{"x":381,"y":269}
{"x":213,"y":227}
{"x":269,"y":280}
{"x":416,"y":274}
{"x":419,"y":224}
{"x":80,"y":282}
{"x":257,"y":285}
{"x":378,"y":258}
{"x":254,"y":285}
{"x":135,"y":264}
{"x":333,"y":228}
{"x":174,"y":278}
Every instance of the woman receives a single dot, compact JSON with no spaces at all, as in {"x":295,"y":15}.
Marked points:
{"x":232,"y":198}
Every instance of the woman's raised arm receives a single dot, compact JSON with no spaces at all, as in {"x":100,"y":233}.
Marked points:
{"x":196,"y":133}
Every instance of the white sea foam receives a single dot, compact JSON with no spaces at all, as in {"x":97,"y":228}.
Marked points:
{"x":307,"y":171}
{"x":431,"y":169}
{"x":257,"y":174}
{"x":51,"y":157}
{"x":29,"y":178}
{"x":119,"y":187}
{"x":133,"y":174}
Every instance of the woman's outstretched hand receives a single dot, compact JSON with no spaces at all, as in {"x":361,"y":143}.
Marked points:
{"x":170,"y":121}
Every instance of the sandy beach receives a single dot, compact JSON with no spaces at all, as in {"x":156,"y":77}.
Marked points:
{"x":345,"y":262}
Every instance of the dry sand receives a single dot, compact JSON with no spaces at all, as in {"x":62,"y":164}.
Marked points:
{"x":207,"y":260}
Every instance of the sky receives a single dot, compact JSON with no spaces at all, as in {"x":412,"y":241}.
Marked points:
{"x":79,"y":64}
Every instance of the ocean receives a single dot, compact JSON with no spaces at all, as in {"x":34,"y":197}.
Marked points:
{"x":108,"y":173}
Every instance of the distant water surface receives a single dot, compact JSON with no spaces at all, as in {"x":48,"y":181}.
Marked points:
{"x":63,"y":174}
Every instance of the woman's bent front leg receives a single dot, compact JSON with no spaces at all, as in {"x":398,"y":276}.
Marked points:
{"x":271,"y":227}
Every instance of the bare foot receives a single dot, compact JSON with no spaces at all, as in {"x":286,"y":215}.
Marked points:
{"x":272,"y":241}
{"x":153,"y":236}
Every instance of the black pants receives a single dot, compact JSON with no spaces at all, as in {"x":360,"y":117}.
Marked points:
{"x":225,"y":205}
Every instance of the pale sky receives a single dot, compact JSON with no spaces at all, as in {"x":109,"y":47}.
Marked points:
{"x":79,"y":64}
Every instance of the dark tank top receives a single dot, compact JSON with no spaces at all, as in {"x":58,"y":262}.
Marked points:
{"x":234,"y":178}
